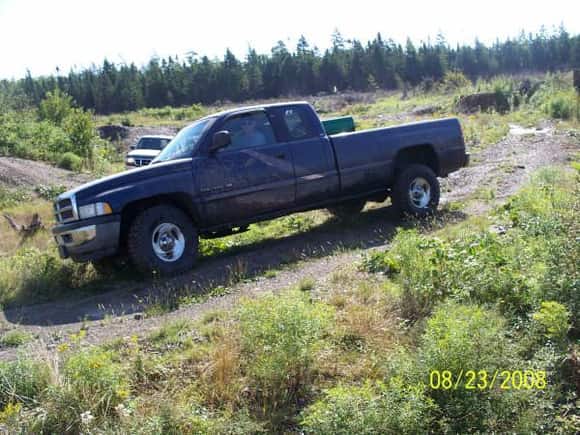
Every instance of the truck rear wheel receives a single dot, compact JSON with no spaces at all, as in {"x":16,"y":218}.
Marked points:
{"x":347,"y":209}
{"x":416,"y":191}
{"x":162,"y":239}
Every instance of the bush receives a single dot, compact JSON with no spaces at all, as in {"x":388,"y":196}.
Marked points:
{"x":554,"y":319}
{"x":10,"y":198}
{"x":561,"y":105}
{"x":81,"y":131}
{"x":459,"y":338}
{"x":378,"y":409}
{"x":453,"y":80}
{"x":55,"y":107}
{"x":91,"y":384}
{"x":488,"y":269}
{"x":22,"y":380}
{"x":15,"y":338}
{"x":34,"y":276}
{"x":70,"y":161}
{"x":279,"y":338}
{"x":49,"y":192}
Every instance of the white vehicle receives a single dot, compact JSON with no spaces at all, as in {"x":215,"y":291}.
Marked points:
{"x":146,"y":149}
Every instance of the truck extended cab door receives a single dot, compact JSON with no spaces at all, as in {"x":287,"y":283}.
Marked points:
{"x":316,"y":173}
{"x":252,"y":176}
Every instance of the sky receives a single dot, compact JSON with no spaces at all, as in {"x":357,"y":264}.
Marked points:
{"x":41,"y":35}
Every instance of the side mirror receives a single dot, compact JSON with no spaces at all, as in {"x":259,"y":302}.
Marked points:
{"x":132,"y":147}
{"x":221,"y":139}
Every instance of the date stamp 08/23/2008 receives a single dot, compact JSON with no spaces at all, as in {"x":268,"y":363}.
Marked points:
{"x":488,"y":380}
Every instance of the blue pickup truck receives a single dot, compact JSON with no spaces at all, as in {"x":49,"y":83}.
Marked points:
{"x":228,"y":170}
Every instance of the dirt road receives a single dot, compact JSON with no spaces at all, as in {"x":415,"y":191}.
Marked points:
{"x":501,"y":169}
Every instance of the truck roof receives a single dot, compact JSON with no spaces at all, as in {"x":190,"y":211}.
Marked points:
{"x":257,"y":106}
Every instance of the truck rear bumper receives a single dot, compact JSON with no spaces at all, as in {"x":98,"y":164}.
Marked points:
{"x":89,"y":239}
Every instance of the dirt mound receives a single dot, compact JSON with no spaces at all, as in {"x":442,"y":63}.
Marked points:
{"x":113,"y":132}
{"x":483,"y":101}
{"x":21,"y":173}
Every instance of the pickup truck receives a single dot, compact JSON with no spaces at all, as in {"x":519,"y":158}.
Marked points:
{"x":144,"y":151}
{"x":228,"y":170}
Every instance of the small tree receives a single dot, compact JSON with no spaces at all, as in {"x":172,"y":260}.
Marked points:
{"x":80,"y":129}
{"x":55,"y":106}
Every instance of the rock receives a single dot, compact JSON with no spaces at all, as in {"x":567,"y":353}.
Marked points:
{"x":425,"y":110}
{"x":138,"y":316}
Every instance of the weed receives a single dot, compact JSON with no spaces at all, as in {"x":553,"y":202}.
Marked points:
{"x":380,"y":408}
{"x":15,"y":338}
{"x":306,"y":284}
{"x":22,"y":380}
{"x":279,"y":336}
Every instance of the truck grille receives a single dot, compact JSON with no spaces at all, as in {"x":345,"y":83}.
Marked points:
{"x":142,"y":162}
{"x":65,"y":210}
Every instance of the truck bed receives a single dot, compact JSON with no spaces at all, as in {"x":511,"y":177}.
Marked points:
{"x":368,"y":156}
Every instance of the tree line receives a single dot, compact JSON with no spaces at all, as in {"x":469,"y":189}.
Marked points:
{"x":347,"y":65}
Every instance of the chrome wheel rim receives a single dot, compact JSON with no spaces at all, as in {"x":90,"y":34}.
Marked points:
{"x":168,"y":242}
{"x":420,"y":192}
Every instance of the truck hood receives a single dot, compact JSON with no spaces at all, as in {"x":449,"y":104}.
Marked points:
{"x":143,"y":153}
{"x":100,"y":189}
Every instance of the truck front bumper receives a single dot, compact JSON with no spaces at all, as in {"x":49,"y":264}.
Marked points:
{"x":89,"y":239}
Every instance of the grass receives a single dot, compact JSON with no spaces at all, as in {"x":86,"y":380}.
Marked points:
{"x":32,"y":271}
{"x":15,"y":338}
{"x":353,"y":354}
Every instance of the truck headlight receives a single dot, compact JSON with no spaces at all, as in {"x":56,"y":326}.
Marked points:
{"x":96,"y":209}
{"x":130,"y":161}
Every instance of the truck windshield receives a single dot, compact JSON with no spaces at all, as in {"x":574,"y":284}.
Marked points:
{"x":185,"y":142}
{"x":151,"y":143}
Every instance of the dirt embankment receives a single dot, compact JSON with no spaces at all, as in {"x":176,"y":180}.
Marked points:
{"x":27,"y":174}
{"x":501,"y":168}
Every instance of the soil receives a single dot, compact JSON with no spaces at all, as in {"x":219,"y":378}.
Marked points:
{"x":118,"y":312}
{"x":27,"y":174}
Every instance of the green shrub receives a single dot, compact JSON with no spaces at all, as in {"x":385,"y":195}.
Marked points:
{"x":9,"y":197}
{"x":30,"y":275}
{"x":453,"y":80}
{"x":554,"y":319}
{"x":55,"y":107}
{"x":91,"y":384}
{"x":70,"y":161}
{"x":507,"y":270}
{"x":22,"y":380}
{"x":21,"y":135}
{"x":371,"y":409}
{"x":15,"y":338}
{"x":49,"y":192}
{"x":81,"y":131}
{"x":561,"y":105}
{"x":460,"y":338}
{"x":279,"y":338}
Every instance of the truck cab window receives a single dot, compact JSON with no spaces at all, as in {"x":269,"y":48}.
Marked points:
{"x":249,"y":130}
{"x":297,"y":124}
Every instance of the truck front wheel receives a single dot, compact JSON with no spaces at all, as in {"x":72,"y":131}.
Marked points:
{"x":416,"y":191}
{"x":162,"y":240}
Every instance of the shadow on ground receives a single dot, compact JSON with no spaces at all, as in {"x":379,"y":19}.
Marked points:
{"x":372,"y":228}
